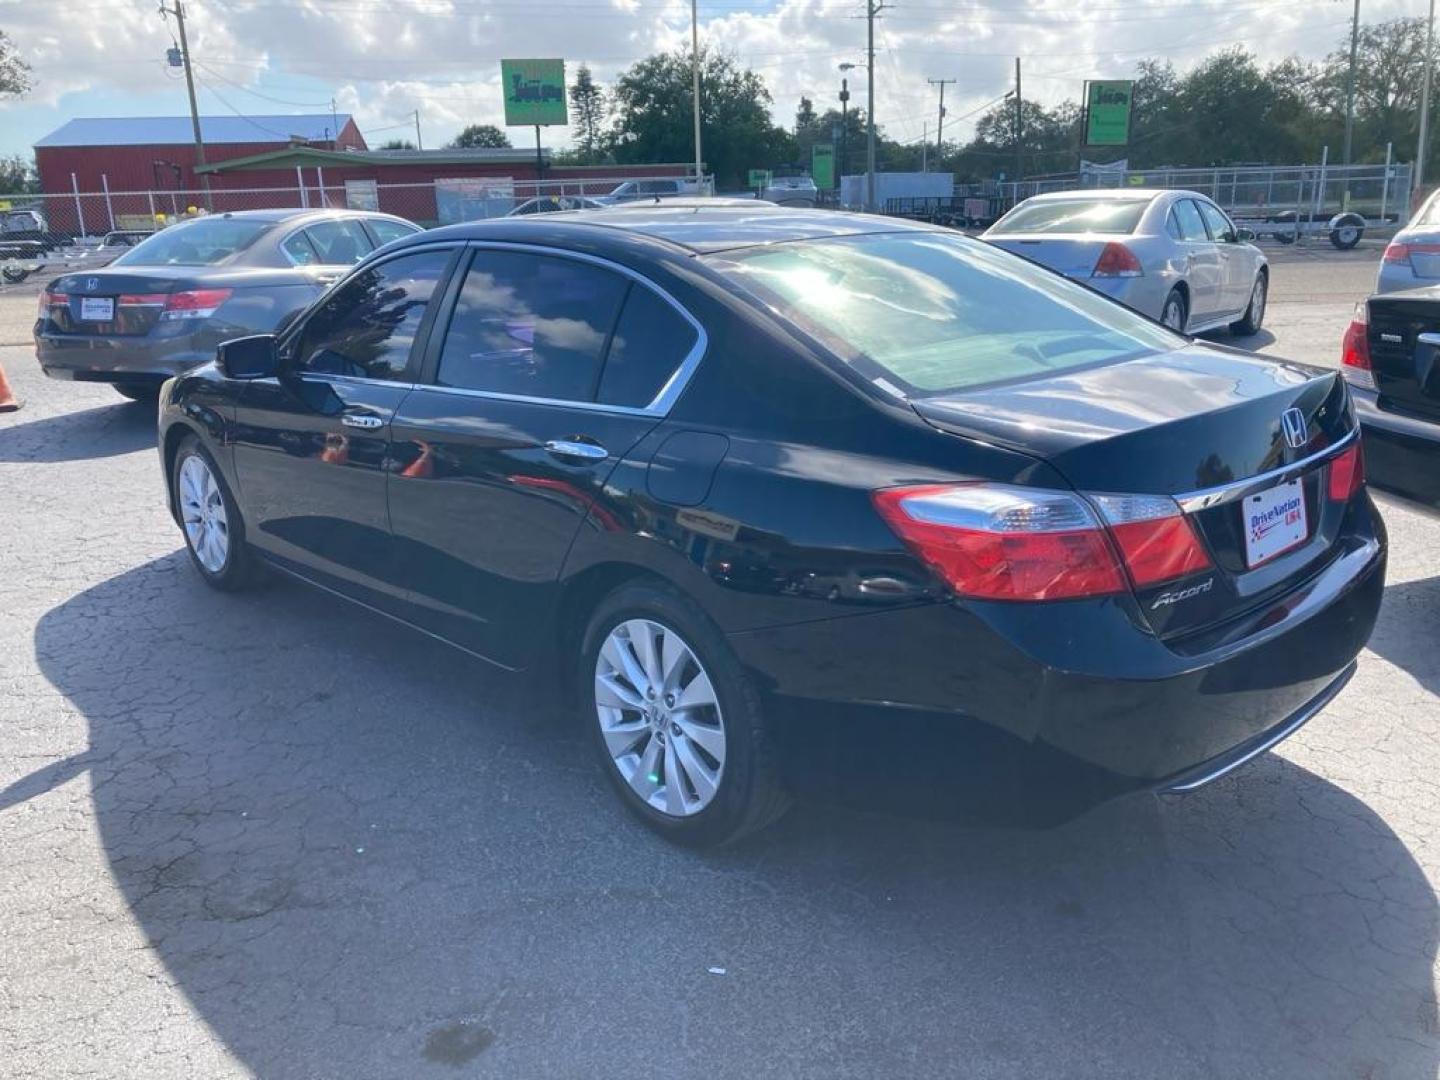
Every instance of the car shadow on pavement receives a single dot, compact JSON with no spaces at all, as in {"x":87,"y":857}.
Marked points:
{"x":359,"y":854}
{"x":104,"y":431}
{"x":1410,"y":637}
{"x":1250,"y":342}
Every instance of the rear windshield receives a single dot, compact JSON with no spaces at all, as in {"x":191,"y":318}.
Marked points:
{"x":202,"y":242}
{"x":1429,"y":216}
{"x":1073,"y":216}
{"x":925,"y":313}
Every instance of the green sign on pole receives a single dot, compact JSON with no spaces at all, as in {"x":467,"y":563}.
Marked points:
{"x":822,"y":165}
{"x":759,"y":178}
{"x":534,"y":91}
{"x":1107,"y":112}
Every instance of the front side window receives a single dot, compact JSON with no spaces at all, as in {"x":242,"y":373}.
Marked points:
{"x":1073,"y":216}
{"x":206,"y":241}
{"x":531,"y":325}
{"x":925,"y":313}
{"x":386,"y":230}
{"x":367,"y":327}
{"x":1192,"y":225}
{"x":1217,"y":222}
{"x":340,"y":242}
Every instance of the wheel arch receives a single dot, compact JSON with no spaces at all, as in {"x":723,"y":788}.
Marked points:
{"x":169,"y":449}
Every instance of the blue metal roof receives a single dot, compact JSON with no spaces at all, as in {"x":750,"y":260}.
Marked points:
{"x":175,"y":130}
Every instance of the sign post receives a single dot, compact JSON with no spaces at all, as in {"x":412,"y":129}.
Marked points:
{"x":1107,"y":112}
{"x":534,"y":95}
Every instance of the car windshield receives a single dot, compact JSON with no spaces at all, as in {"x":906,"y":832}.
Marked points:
{"x":925,"y":313}
{"x":1073,"y":216}
{"x":202,"y":242}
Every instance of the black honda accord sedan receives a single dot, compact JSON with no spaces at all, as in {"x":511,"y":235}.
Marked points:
{"x":732,"y":469}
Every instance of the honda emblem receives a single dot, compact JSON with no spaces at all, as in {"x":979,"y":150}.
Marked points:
{"x":1292,"y":422}
{"x":91,"y":283}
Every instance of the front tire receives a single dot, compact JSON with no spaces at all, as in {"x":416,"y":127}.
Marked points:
{"x":675,"y":721}
{"x":1254,"y":316}
{"x":210,"y":520}
{"x":1175,"y":311}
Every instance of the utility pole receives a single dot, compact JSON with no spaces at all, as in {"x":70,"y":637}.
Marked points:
{"x":1019,"y":167}
{"x":844,"y":130}
{"x":872,"y":9}
{"x":1350,"y":86}
{"x":419,"y":143}
{"x":179,"y":12}
{"x":1419,"y":173}
{"x":940,"y":127}
{"x":695,"y":82}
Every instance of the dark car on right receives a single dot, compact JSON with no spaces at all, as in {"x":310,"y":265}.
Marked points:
{"x":1391,"y":359}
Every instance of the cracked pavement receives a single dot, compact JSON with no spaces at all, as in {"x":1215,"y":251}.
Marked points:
{"x":273,"y":835}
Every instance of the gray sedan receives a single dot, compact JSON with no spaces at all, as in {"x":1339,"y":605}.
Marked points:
{"x":1172,"y":255}
{"x":1412,"y":259}
{"x":165,"y":304}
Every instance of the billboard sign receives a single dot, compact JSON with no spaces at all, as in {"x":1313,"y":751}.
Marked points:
{"x":758,"y":178}
{"x":1107,"y":112}
{"x":822,"y":165}
{"x":534,"y":92}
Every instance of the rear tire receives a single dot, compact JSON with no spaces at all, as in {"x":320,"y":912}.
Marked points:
{"x":210,"y":521}
{"x":138,"y":392}
{"x":632,"y":728}
{"x":1254,"y":316}
{"x":1175,"y":311}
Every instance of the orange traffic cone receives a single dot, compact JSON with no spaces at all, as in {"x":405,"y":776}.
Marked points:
{"x":8,"y":401}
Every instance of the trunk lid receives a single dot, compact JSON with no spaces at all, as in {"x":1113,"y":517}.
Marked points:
{"x":1198,"y":421}
{"x":1072,"y":254}
{"x":1405,"y":357}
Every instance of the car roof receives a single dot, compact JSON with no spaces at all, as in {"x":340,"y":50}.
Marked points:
{"x":697,"y":225}
{"x":1117,"y":194}
{"x":287,"y":213}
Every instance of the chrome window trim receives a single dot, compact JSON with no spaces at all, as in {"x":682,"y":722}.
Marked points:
{"x":1194,"y":501}
{"x":280,"y":244}
{"x":670,"y":390}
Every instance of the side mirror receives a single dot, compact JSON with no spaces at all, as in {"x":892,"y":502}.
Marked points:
{"x":1244,"y":236}
{"x":253,"y":357}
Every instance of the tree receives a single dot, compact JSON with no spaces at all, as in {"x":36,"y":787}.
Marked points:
{"x":18,"y":176}
{"x":587,"y":108}
{"x":14,"y":71}
{"x":653,"y":116}
{"x":1389,"y":70}
{"x":804,"y":117}
{"x":478,"y":136}
{"x":397,"y":144}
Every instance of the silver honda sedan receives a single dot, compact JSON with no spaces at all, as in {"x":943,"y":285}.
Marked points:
{"x":1412,"y":259}
{"x":1172,"y":255}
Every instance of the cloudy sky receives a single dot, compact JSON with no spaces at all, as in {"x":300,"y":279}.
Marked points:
{"x":382,"y":59}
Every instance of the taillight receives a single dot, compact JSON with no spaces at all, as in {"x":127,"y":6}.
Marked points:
{"x":1347,"y":473}
{"x":143,"y":300}
{"x":996,"y":542}
{"x":1355,"y":364}
{"x":194,"y":304}
{"x":1396,"y":253}
{"x":1117,"y":260}
{"x":1156,"y":540}
{"x":51,"y":300}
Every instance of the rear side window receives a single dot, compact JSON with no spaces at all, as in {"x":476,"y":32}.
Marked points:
{"x":926,"y":313}
{"x":386,"y":230}
{"x":531,"y":325}
{"x":1192,"y":225}
{"x":340,"y":243}
{"x":299,"y":249}
{"x":650,"y":342}
{"x":1073,"y":216}
{"x":366,"y":328}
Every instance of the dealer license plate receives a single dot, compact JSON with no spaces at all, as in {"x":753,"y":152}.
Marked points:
{"x":97,"y":308}
{"x":1274,"y":522}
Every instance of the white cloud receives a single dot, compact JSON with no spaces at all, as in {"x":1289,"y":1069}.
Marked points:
{"x":382,"y":59}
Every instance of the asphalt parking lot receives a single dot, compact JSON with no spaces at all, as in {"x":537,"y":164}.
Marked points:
{"x":273,"y":835}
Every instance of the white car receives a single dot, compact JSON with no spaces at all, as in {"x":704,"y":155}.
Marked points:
{"x":1172,"y":255}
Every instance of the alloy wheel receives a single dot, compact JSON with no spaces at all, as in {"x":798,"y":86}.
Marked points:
{"x":1174,"y":314}
{"x":1257,"y":303}
{"x":202,"y":510}
{"x":660,"y":717}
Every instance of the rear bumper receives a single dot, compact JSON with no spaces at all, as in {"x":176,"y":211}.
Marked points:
{"x":1016,"y":712}
{"x":1402,"y":454}
{"x":119,"y":359}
